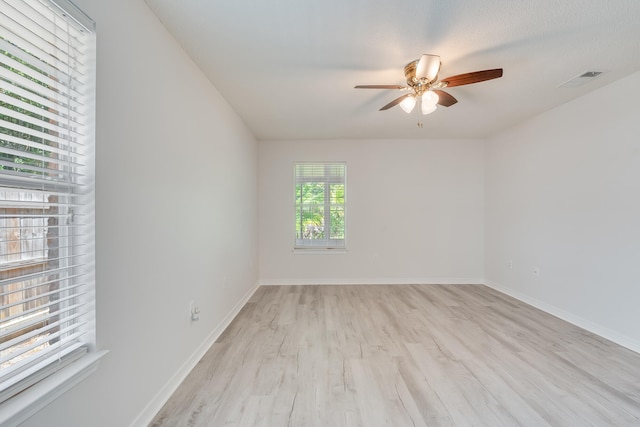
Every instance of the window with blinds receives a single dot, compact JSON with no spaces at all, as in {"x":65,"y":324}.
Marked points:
{"x":320,"y":190}
{"x":46,"y":189}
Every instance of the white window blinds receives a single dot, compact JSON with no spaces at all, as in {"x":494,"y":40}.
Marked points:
{"x":46,"y":189}
{"x":320,"y":196}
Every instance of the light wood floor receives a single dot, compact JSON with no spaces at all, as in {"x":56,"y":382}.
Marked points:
{"x":415,"y":355}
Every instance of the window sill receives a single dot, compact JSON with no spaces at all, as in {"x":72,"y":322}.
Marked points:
{"x":316,"y":251}
{"x":19,"y":408}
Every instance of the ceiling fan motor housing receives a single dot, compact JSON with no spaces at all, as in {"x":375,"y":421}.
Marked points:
{"x":412,"y":80}
{"x":419,"y":85}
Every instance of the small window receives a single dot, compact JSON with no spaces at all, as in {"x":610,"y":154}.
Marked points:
{"x":320,"y":196}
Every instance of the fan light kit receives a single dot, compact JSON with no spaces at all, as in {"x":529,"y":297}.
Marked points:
{"x":422,"y":80}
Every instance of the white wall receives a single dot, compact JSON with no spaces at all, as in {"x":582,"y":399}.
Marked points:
{"x":563,"y":195}
{"x":414,"y":212}
{"x":176,"y":217}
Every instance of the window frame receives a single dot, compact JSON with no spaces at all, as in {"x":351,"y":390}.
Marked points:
{"x":44,"y":382}
{"x":326,"y":179}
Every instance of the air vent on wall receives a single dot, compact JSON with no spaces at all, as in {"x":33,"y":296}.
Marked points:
{"x":581,"y":79}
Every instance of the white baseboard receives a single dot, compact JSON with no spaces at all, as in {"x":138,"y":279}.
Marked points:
{"x":588,"y":325}
{"x":376,"y":281}
{"x":158,"y":401}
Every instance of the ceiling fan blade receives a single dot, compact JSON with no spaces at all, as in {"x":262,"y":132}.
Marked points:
{"x":395,"y":102}
{"x":473,"y":77}
{"x":445,"y":99}
{"x":379,"y":87}
{"x":428,"y":67}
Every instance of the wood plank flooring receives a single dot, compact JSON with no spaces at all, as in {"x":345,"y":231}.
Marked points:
{"x":412,"y":355}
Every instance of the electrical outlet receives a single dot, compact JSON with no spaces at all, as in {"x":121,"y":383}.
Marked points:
{"x":510,"y":265}
{"x":194,"y":311}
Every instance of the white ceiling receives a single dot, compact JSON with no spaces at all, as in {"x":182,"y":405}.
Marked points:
{"x":288,"y":67}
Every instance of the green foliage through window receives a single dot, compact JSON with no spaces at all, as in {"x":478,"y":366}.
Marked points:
{"x":14,"y":116}
{"x":320,"y":204}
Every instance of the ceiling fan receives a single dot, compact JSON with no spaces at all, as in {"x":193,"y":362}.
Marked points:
{"x":422,"y":80}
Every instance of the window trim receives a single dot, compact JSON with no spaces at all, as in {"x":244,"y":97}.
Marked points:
{"x":26,"y":404}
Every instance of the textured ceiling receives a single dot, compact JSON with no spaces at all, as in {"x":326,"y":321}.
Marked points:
{"x":288,"y":67}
